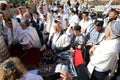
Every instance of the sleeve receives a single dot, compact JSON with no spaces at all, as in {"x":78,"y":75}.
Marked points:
{"x":81,"y":40}
{"x":63,"y":43}
{"x":103,"y":57}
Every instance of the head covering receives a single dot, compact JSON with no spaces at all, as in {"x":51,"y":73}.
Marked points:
{"x":77,"y":28}
{"x":115,"y":29}
{"x":26,"y":22}
{"x":99,"y":22}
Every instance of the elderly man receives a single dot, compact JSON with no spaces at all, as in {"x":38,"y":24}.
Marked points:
{"x":29,"y":37}
{"x":59,"y":41}
{"x":30,"y":42}
{"x":104,"y":58}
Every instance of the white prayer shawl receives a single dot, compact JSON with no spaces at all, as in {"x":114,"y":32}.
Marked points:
{"x":29,"y":76}
{"x":54,"y":39}
{"x":50,"y":21}
{"x":40,"y":14}
{"x":29,"y":36}
{"x":63,"y":17}
{"x":107,"y":19}
{"x":105,"y":56}
{"x":66,"y":9}
{"x":86,"y":25}
{"x":63,"y":41}
{"x":19,"y":16}
{"x":13,"y":35}
{"x":45,"y":8}
{"x":73,"y":20}
{"x":80,"y":8}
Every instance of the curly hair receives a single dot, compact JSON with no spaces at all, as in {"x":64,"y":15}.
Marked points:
{"x":12,"y":74}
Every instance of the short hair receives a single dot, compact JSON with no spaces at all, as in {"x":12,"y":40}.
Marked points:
{"x":72,"y":10}
{"x":58,"y":22}
{"x":77,"y":28}
{"x":87,"y":13}
{"x":61,"y":7}
{"x":115,"y":11}
{"x":36,"y":13}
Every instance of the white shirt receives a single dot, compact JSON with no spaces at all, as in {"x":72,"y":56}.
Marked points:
{"x":105,"y":55}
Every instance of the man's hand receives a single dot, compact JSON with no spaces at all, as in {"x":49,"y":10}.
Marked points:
{"x":65,"y":75}
{"x":43,"y":48}
{"x":92,"y":49}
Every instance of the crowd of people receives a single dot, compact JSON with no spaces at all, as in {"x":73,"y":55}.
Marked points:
{"x":94,"y":40}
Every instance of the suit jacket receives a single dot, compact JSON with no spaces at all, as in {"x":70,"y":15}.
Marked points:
{"x":38,"y":25}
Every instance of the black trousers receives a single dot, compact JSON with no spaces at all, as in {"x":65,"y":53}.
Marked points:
{"x":82,"y":72}
{"x":99,"y":75}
